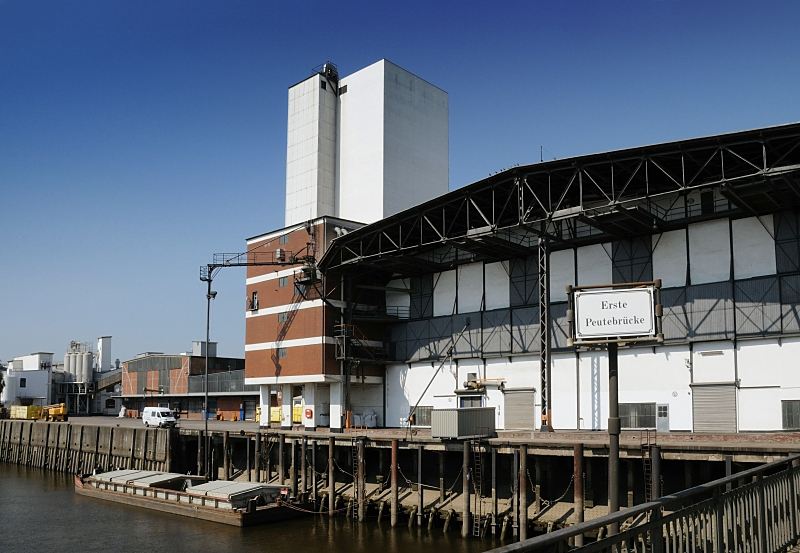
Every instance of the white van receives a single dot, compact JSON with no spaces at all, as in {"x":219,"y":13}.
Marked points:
{"x":158,"y":417}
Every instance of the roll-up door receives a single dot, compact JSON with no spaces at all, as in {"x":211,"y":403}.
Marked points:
{"x":519,"y":409}
{"x":714,"y":407}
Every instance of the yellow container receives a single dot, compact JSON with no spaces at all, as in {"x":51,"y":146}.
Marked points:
{"x":26,"y":412}
{"x":275,"y":414}
{"x":297,"y":414}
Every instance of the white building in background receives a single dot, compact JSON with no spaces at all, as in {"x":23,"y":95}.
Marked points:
{"x":364,"y":146}
{"x":28,"y":380}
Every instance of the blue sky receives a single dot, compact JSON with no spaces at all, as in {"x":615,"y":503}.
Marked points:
{"x":136,"y":138}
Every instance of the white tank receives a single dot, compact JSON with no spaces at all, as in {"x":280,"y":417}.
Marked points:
{"x":73,"y":366}
{"x":87,"y":370}
{"x":66,"y":363}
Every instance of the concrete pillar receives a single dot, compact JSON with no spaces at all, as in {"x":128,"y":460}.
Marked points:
{"x":264,"y":402}
{"x":465,"y":490}
{"x":336,"y":406}
{"x":577,"y":487}
{"x":331,"y":478}
{"x":393,"y":484}
{"x":523,"y":492}
{"x":286,"y":406}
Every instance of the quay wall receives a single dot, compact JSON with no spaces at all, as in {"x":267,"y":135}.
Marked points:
{"x":78,"y":448}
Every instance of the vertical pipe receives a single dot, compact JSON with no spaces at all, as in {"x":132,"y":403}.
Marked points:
{"x":441,"y":477}
{"x":465,"y":478}
{"x":523,"y":492}
{"x":613,"y":435}
{"x":494,"y":490}
{"x":257,"y":457}
{"x":226,"y":457}
{"x":393,"y":484}
{"x":577,"y":488}
{"x":655,"y":471}
{"x":420,"y":502}
{"x":293,"y":467}
{"x":281,"y":459}
{"x":205,"y":371}
{"x":331,"y":478}
{"x":360,"y":483}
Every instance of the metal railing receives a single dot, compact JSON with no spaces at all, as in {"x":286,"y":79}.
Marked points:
{"x":755,"y":510}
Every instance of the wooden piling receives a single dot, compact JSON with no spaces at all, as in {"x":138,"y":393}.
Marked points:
{"x":257,"y":457}
{"x":420,"y":499}
{"x":303,"y":467}
{"x":361,"y":483}
{"x":331,"y":478}
{"x":293,"y":467}
{"x":281,"y":460}
{"x":226,"y":455}
{"x":199,"y":450}
{"x":441,"y":477}
{"x":465,"y":490}
{"x":494,"y":490}
{"x":630,"y":484}
{"x":577,"y":488}
{"x":523,"y":492}
{"x":314,"y":469}
{"x":393,"y":484}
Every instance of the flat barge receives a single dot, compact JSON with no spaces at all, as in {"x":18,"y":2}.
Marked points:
{"x":233,"y":503}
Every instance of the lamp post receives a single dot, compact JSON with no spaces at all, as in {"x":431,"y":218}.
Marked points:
{"x":210,"y":295}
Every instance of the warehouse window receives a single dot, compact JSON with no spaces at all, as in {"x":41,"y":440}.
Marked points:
{"x":284,"y":239}
{"x":281,"y":353}
{"x":254,"y":301}
{"x":422,"y":416}
{"x":324,"y":85}
{"x":791,"y":414}
{"x":342,"y":89}
{"x":283,"y":317}
{"x":470,"y":401}
{"x":637,"y":415}
{"x":23,"y":382}
{"x":283,"y":281}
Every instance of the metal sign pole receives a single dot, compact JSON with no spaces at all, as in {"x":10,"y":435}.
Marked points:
{"x":613,"y":435}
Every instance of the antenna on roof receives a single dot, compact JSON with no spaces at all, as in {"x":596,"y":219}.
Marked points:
{"x":541,"y":153}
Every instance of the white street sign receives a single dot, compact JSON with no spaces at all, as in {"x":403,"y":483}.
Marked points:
{"x":614,"y":313}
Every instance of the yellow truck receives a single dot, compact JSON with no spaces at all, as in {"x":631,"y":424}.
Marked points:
{"x":55,"y":412}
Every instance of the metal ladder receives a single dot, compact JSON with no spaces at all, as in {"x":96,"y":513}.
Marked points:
{"x":645,"y":441}
{"x":477,"y":479}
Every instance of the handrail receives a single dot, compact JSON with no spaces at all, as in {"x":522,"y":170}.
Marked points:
{"x":548,"y":541}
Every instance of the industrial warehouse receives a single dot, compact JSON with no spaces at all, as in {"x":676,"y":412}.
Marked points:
{"x":440,"y":303}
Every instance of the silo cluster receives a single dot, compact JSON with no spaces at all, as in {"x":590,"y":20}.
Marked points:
{"x":79,"y":362}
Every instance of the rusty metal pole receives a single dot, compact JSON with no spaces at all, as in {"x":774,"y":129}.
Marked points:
{"x":393,"y":492}
{"x":577,"y":488}
{"x":465,"y":490}
{"x":523,"y":492}
{"x":331,"y":478}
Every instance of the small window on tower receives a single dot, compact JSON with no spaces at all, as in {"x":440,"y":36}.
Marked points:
{"x":23,"y":382}
{"x":324,"y":85}
{"x":342,"y":89}
{"x":254,"y":301}
{"x":283,"y":317}
{"x":283,"y":281}
{"x":281,"y":353}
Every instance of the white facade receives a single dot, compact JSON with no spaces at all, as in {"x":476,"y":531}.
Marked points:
{"x":32,"y":362}
{"x":27,"y":387}
{"x":367,"y":147}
